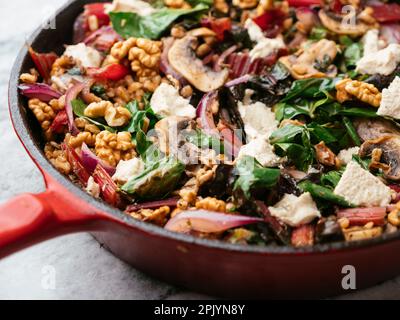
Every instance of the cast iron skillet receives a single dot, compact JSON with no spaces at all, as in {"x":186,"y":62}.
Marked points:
{"x":211,"y":267}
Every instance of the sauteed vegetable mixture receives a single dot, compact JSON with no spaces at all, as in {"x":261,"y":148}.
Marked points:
{"x":253,"y":122}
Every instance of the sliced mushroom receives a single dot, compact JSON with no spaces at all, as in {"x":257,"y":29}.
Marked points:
{"x":339,"y":25}
{"x":183,"y":59}
{"x":385,"y":152}
{"x":201,"y":32}
{"x":308,"y":63}
{"x":168,"y":132}
{"x":370,"y":129}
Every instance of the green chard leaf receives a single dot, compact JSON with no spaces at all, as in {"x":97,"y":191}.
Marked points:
{"x":252,"y":175}
{"x":129,"y":24}
{"x":78,"y":107}
{"x":311,"y":88}
{"x":204,"y":141}
{"x":331,"y":179}
{"x":158,"y":179}
{"x":137,"y":122}
{"x":323,"y":193}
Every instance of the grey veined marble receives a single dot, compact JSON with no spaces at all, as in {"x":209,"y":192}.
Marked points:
{"x":74,"y":266}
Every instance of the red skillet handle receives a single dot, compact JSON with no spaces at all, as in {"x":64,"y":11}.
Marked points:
{"x":22,"y":219}
{"x":29,"y":219}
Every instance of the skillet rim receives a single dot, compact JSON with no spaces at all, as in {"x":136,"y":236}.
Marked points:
{"x":17,"y":117}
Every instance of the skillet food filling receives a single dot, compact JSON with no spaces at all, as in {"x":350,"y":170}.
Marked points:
{"x":252,"y":122}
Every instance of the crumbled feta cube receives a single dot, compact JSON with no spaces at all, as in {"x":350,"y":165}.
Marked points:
{"x":93,"y":188}
{"x":166,"y":101}
{"x":128,"y":169}
{"x":262,"y":151}
{"x":266,"y":47}
{"x":87,"y":56}
{"x":254,"y":31}
{"x":296,"y":211}
{"x":362,"y":188}
{"x":346,"y":155}
{"x":382,"y":62}
{"x":390,"y":103}
{"x":258,"y":119}
{"x":370,"y":42}
{"x":142,"y":8}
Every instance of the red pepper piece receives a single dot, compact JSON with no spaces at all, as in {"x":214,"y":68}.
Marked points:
{"x":113,"y":72}
{"x":43,"y":62}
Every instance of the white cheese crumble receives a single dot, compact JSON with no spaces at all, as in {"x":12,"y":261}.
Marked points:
{"x":390,"y":103}
{"x":128,"y":169}
{"x":142,"y":8}
{"x":346,"y":155}
{"x":87,"y":56}
{"x":382,"y":62}
{"x":166,"y":101}
{"x":258,"y":119}
{"x":93,"y":188}
{"x":259,"y":123}
{"x":370,"y":42}
{"x":254,"y":31}
{"x":265,"y":46}
{"x":262,"y":151}
{"x":362,"y":188}
{"x":296,"y":211}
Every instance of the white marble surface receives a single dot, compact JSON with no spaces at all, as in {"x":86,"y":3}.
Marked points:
{"x":81,"y":268}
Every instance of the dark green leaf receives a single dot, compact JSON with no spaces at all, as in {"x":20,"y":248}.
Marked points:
{"x":331,"y":179}
{"x":157,"y":181}
{"x":203,"y":141}
{"x":327,"y":194}
{"x":351,"y":131}
{"x":129,"y":24}
{"x":301,"y":156}
{"x":363,"y":162}
{"x":352,"y":54}
{"x":78,"y":107}
{"x":286,"y":134}
{"x":252,"y":175}
{"x":311,"y":88}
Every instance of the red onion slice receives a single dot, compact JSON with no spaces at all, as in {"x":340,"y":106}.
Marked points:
{"x":205,"y":115}
{"x":207,"y":221}
{"x":171,"y":202}
{"x":40,"y":91}
{"x":72,"y":94}
{"x":90,"y":161}
{"x":240,"y":80}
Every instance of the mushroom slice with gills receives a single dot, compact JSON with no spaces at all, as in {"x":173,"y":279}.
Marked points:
{"x":168,"y":133}
{"x":313,"y":62}
{"x":338,"y":24}
{"x":183,"y":59}
{"x":385,"y":152}
{"x":370,"y":129}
